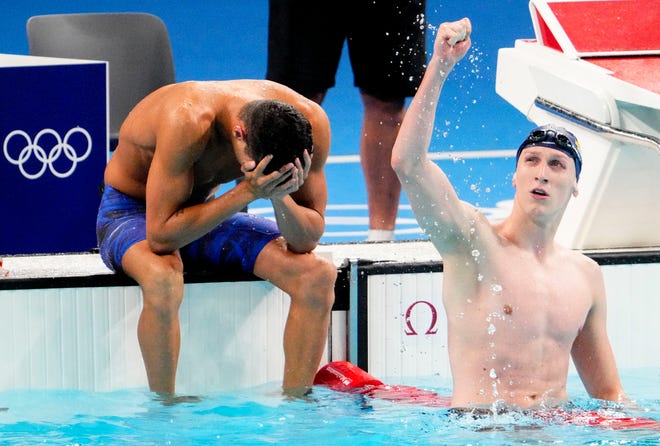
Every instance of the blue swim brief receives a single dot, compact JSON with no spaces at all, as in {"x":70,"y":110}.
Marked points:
{"x":234,"y":243}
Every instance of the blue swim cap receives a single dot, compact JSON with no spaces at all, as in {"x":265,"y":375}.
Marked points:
{"x":557,"y":138}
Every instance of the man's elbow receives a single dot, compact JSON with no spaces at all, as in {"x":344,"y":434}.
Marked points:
{"x":397,"y":163}
{"x":304,"y":243}
{"x":161,"y":246}
{"x":302,"y":248}
{"x":403,"y":167}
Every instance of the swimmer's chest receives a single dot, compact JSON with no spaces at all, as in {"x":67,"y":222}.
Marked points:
{"x":554,"y":302}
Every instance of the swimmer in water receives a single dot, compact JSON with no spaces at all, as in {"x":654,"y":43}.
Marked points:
{"x":518,"y":304}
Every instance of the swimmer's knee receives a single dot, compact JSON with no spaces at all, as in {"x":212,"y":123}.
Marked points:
{"x":327,"y":272}
{"x":162,"y":282}
{"x":317,"y":283}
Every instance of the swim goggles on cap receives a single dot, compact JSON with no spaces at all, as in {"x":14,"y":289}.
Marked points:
{"x":555,"y":138}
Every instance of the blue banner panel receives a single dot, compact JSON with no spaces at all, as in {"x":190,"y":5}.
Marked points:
{"x":53,"y":130}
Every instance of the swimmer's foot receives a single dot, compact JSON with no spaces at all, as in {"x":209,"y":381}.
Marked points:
{"x":298,"y":393}
{"x":167,"y":399}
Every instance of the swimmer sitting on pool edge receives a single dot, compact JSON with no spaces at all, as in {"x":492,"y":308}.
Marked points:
{"x":160,"y":214}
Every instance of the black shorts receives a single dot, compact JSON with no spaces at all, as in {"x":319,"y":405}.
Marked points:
{"x":386,"y":44}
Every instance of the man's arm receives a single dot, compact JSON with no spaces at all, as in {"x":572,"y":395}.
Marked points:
{"x":172,"y":222}
{"x":591,"y":351}
{"x":301,"y":215}
{"x":433,"y":199}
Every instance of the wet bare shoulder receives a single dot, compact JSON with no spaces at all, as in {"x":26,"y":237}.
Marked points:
{"x":576,"y":259}
{"x":587,"y":265}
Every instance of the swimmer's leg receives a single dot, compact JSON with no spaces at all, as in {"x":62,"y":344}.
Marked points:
{"x":309,"y":280}
{"x":161,"y":279}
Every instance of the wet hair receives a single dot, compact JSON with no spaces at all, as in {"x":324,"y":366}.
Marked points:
{"x":275,"y":128}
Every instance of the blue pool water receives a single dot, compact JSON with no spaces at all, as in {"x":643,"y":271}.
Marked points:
{"x":261,"y":416}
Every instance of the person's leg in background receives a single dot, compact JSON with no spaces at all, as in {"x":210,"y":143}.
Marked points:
{"x":388,"y":56}
{"x":380,"y":126}
{"x":387,"y":48}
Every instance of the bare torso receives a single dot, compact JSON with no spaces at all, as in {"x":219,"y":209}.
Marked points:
{"x":519,"y":306}
{"x":510,"y":335}
{"x":207,"y":111}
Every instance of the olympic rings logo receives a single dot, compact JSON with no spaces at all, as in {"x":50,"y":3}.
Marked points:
{"x":47,"y":160}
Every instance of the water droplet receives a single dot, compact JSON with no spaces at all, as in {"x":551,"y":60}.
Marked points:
{"x":475,"y":253}
{"x":496,"y":288}
{"x":480,"y":277}
{"x":493,"y":374}
{"x":491,"y":329}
